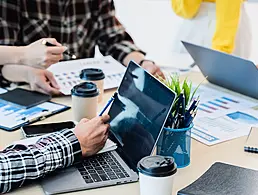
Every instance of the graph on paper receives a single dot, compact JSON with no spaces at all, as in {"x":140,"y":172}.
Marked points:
{"x":67,"y":73}
{"x":214,"y":103}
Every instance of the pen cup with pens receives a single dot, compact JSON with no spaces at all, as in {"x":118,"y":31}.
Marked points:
{"x":175,"y":139}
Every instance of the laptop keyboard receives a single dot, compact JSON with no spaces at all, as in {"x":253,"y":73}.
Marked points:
{"x":102,"y":167}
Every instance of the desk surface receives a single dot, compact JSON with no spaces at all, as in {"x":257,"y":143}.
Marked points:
{"x":202,"y":156}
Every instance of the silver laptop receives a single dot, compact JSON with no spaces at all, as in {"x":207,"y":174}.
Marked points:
{"x":225,"y":70}
{"x":138,"y":115}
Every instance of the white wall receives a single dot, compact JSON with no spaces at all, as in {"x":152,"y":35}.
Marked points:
{"x":151,"y":23}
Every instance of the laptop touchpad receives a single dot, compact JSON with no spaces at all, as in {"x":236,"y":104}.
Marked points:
{"x":63,"y":181}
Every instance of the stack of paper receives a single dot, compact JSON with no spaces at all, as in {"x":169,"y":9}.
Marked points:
{"x":222,"y":117}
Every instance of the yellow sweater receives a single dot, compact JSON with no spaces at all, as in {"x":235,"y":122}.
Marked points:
{"x":227,"y":19}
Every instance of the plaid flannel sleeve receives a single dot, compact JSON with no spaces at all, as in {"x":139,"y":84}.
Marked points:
{"x":113,"y":40}
{"x":9,"y":21}
{"x":19,"y":163}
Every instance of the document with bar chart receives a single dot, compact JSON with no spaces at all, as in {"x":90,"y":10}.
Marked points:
{"x":67,"y":73}
{"x":222,"y":116}
{"x":215,"y":103}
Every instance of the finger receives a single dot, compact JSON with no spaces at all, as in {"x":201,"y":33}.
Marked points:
{"x":48,"y":89}
{"x":154,"y":70}
{"x":45,"y":64}
{"x":54,"y":58}
{"x":104,"y":139}
{"x":104,"y":118}
{"x":53,"y":41}
{"x":101,"y":131}
{"x":105,"y":129}
{"x":56,"y":50}
{"x":38,"y":89}
{"x":84,"y":120}
{"x":52,"y":79}
{"x":160,"y":74}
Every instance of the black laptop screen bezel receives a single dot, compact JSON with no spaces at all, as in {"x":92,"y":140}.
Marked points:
{"x":112,"y":136}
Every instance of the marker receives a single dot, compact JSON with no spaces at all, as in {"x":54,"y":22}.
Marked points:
{"x":44,"y":42}
{"x":107,"y":105}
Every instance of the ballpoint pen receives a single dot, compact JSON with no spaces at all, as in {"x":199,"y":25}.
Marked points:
{"x":44,"y":42}
{"x":183,"y":106}
{"x":190,"y":120}
{"x":108,"y":104}
{"x":38,"y":117}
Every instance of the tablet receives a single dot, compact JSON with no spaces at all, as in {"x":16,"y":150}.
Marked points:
{"x":24,"y":98}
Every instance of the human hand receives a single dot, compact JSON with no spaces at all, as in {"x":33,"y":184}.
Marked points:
{"x":40,"y":56}
{"x":42,"y":81}
{"x":92,"y":134}
{"x":153,"y":69}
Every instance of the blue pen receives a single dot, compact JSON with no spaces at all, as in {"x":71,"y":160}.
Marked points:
{"x":107,"y":105}
{"x":183,"y":106}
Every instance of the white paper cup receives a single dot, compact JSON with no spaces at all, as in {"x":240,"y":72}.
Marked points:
{"x":96,"y":76}
{"x":156,"y":175}
{"x":85,"y":101}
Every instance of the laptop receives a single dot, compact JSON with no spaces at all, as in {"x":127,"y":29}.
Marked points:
{"x":138,"y":114}
{"x":225,"y":70}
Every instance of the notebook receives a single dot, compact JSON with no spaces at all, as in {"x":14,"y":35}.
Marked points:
{"x":251,"y":144}
{"x":30,"y":98}
{"x":224,"y":179}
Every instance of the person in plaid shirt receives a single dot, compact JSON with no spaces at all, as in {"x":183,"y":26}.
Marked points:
{"x":80,"y":25}
{"x":20,"y":163}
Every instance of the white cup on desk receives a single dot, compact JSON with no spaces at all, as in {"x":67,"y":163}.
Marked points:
{"x":156,"y":175}
{"x":84,"y":101}
{"x":96,"y":76}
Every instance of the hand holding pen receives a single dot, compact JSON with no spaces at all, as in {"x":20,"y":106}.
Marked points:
{"x":108,"y":104}
{"x":66,"y":52}
{"x":38,"y":55}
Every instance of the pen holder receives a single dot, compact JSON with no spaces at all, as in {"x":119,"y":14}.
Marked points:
{"x":176,"y":143}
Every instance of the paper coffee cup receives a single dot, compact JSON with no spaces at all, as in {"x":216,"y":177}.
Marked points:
{"x":84,"y":101}
{"x":96,"y":76}
{"x":156,"y":175}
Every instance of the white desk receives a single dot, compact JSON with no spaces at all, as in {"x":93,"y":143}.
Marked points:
{"x":202,"y":156}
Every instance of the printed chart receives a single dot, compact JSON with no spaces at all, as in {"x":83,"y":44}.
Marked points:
{"x":214,"y":104}
{"x":12,"y":116}
{"x":67,"y":73}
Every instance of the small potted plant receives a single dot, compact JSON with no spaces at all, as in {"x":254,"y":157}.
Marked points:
{"x":175,"y":139}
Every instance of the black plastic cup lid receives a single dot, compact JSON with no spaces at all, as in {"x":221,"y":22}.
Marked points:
{"x":86,"y":89}
{"x":157,"y":166}
{"x":92,"y":74}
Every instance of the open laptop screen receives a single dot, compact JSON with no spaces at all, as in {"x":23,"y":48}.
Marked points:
{"x":138,"y":113}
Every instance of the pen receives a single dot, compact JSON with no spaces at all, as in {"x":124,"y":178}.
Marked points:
{"x":190,"y":120}
{"x":183,"y":106}
{"x":44,"y":42}
{"x":40,"y":116}
{"x":193,"y":104}
{"x":107,"y":105}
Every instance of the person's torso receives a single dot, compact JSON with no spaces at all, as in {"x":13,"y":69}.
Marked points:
{"x":73,"y":23}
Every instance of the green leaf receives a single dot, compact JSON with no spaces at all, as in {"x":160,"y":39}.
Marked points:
{"x":187,"y":91}
{"x":197,"y":88}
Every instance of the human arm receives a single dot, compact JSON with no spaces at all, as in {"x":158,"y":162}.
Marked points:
{"x":39,"y":79}
{"x":35,"y":54}
{"x":19,"y":163}
{"x":227,"y":23}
